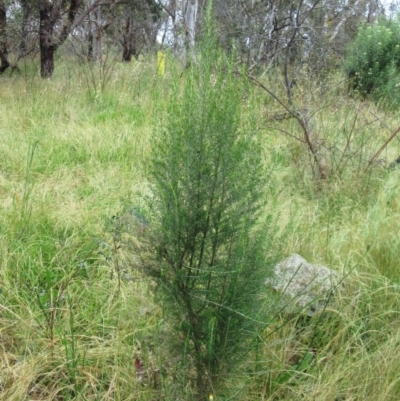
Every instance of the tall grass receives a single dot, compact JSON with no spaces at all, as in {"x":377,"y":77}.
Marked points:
{"x":70,"y":163}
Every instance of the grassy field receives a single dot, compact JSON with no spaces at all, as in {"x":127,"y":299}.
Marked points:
{"x":74,"y":314}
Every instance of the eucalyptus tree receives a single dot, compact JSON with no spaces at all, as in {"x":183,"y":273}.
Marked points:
{"x":29,"y":21}
{"x":138,"y":26}
{"x":190,"y":29}
{"x":128,"y":25}
{"x":4,"y":63}
{"x":291,"y":31}
{"x":45,"y":25}
{"x":19,"y":26}
{"x":181,"y":26}
{"x":172,"y":23}
{"x":54,"y":27}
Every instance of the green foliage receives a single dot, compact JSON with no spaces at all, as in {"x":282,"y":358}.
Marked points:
{"x":73,"y":332}
{"x":373,"y":61}
{"x":208,"y":184}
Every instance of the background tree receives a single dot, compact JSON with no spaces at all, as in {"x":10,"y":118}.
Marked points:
{"x":138,"y":26}
{"x":276,"y":32}
{"x":22,"y":29}
{"x":3,"y":37}
{"x":51,"y":14}
{"x":286,"y":33}
{"x":190,"y":30}
{"x":29,"y":18}
{"x":172,"y":26}
{"x":96,"y":27}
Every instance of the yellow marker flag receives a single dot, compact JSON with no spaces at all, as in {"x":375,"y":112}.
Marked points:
{"x":160,"y":63}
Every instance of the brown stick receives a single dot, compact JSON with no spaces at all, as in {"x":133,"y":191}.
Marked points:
{"x":380,"y":150}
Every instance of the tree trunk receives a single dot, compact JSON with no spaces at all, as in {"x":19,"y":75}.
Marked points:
{"x":47,"y":47}
{"x":46,"y":60}
{"x":129,"y":47}
{"x":190,"y":30}
{"x":95,"y":34}
{"x":3,"y":38}
{"x":91,"y":33}
{"x":373,"y":7}
{"x":50,"y":14}
{"x":90,"y":43}
{"x":346,"y":13}
{"x":174,"y":25}
{"x":98,"y":43}
{"x":26,"y":11}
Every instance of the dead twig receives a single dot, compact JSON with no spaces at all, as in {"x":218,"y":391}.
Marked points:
{"x":303,"y":122}
{"x":381,"y":149}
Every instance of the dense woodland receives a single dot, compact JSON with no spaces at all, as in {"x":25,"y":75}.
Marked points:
{"x":262,"y":32}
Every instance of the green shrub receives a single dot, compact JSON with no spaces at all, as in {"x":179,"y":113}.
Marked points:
{"x":373,"y":61}
{"x":209,"y":184}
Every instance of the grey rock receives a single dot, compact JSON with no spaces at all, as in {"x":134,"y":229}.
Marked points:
{"x":304,"y":285}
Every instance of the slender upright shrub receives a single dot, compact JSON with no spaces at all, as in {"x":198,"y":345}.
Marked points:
{"x":209,"y":185}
